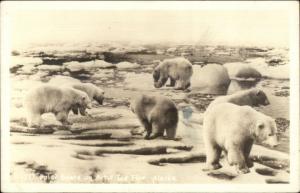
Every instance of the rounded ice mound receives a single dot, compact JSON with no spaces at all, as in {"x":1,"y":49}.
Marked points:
{"x":127,"y":65}
{"x":210,"y":79}
{"x":133,"y":81}
{"x":87,"y":66}
{"x":50,"y":68}
{"x":61,"y":80}
{"x":20,"y":60}
{"x":238,"y":70}
{"x":28,"y":69}
{"x":248,"y":72}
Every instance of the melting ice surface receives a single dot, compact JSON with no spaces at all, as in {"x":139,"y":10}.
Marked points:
{"x":276,"y":72}
{"x":143,"y":81}
{"x":131,"y":84}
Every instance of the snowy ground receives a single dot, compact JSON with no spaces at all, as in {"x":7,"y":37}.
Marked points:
{"x":101,"y":148}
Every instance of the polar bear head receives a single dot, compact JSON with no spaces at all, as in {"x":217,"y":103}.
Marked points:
{"x":99,"y":96}
{"x":159,"y":77}
{"x":82,"y":102}
{"x":266,"y":131}
{"x":259,"y":97}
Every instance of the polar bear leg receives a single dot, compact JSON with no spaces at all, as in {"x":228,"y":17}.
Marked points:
{"x":172,"y":82}
{"x":157,"y":131}
{"x":178,"y":85}
{"x":213,"y":153}
{"x":171,"y":133}
{"x":186,"y":84}
{"x":147,"y":127}
{"x":34,"y":119}
{"x":75,"y":110}
{"x":247,"y":149}
{"x":182,"y":84}
{"x":63,"y":118}
{"x":236,"y":157}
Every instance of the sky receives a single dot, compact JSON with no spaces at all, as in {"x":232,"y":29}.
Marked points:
{"x":250,"y":28}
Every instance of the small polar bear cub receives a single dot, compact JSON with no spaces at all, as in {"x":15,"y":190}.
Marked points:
{"x":234,"y":128}
{"x":56,"y":100}
{"x":94,"y":93}
{"x":178,"y":70}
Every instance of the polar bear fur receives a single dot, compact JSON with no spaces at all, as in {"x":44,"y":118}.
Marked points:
{"x":251,"y":97}
{"x":157,"y":114}
{"x":52,"y":99}
{"x":94,"y":92}
{"x":234,"y":128}
{"x":178,"y":70}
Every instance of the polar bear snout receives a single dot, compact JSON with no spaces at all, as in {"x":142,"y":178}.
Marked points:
{"x":160,"y":82}
{"x":272,"y":140}
{"x":155,"y":75}
{"x":99,"y":100}
{"x":89,"y":105}
{"x":157,"y":85}
{"x":86,"y":102}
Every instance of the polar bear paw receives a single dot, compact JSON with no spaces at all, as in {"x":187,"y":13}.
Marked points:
{"x":210,"y":167}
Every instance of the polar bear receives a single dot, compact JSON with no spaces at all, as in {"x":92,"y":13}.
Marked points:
{"x":57,"y":100}
{"x":251,"y":97}
{"x":157,"y":114}
{"x":179,"y":70}
{"x":234,"y":128}
{"x":94,"y":92}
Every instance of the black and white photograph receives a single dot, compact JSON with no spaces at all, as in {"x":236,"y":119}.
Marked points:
{"x":161,"y":96}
